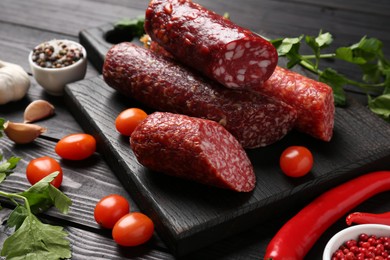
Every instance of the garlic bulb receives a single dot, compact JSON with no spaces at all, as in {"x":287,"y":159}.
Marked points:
{"x":14,"y":82}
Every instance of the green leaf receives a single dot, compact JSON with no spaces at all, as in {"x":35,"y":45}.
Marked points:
{"x":336,"y":81}
{"x":370,"y":45}
{"x":346,"y":54}
{"x":367,"y":49}
{"x":42,"y":195}
{"x":60,"y":200}
{"x":324,"y":40}
{"x":35,"y":240}
{"x":287,"y":45}
{"x":371,"y":73}
{"x":2,"y":176}
{"x":367,"y":54}
{"x":386,"y":81}
{"x":293,"y":59}
{"x":7,"y":167}
{"x":2,"y":121}
{"x":133,"y":27}
{"x":380,"y":106}
{"x":316,"y":44}
{"x":312,"y":43}
{"x":17,"y":217}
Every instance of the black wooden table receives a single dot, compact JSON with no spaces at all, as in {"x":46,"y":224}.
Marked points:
{"x":24,"y":24}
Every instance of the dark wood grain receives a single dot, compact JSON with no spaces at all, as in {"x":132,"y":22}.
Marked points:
{"x":91,"y":245}
{"x":24,"y":23}
{"x":90,"y":176}
{"x":189,"y":216}
{"x":70,"y":16}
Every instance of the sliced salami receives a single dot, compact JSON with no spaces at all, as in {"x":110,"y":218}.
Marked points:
{"x":312,"y":99}
{"x":210,"y":43}
{"x":197,"y":149}
{"x":160,"y":83}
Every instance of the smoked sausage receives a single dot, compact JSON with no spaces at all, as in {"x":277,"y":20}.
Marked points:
{"x":192,"y":148}
{"x":162,"y":84}
{"x":312,"y":99}
{"x":210,"y":43}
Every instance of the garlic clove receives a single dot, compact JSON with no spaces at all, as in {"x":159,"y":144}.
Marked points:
{"x":22,"y":133}
{"x":38,"y":110}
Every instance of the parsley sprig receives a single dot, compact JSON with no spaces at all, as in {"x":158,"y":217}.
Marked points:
{"x":367,"y":55}
{"x":133,"y":27}
{"x":33,"y":239}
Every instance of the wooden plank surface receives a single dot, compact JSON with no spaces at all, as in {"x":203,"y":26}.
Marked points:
{"x":189,"y":216}
{"x":24,"y":23}
{"x":86,"y":244}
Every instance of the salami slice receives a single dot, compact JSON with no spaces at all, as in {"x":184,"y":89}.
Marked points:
{"x":312,"y":99}
{"x":192,"y":148}
{"x":210,"y":43}
{"x":160,"y":83}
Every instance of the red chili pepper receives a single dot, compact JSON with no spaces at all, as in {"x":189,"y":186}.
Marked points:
{"x":368,"y":218}
{"x":299,"y":234}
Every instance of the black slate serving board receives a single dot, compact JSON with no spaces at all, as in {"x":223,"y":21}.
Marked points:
{"x":188,"y":215}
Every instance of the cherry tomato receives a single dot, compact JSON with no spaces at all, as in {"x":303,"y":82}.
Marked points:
{"x":110,"y":209}
{"x":296,"y":161}
{"x":76,"y":146}
{"x":39,"y":168}
{"x":128,"y":120}
{"x":133,"y":229}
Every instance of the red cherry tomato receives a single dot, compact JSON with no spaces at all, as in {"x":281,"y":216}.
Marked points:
{"x":39,"y":168}
{"x":110,"y":209}
{"x":296,"y":161}
{"x":76,"y":146}
{"x":128,"y":120}
{"x":133,"y":229}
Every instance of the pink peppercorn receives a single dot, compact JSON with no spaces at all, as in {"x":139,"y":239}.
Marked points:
{"x":365,"y":247}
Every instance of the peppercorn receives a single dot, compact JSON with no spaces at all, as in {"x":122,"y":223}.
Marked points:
{"x":56,"y":54}
{"x":365,"y":247}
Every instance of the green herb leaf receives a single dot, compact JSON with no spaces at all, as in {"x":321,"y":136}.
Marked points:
{"x":42,"y":195}
{"x":336,"y":81}
{"x":7,"y":167}
{"x":287,"y":45}
{"x":2,"y":121}
{"x":35,"y":240}
{"x":323,"y":40}
{"x":380,"y":106}
{"x":369,"y":48}
{"x":60,"y":200}
{"x":133,"y":27}
{"x":386,"y":82}
{"x":367,"y":54}
{"x":346,"y":53}
{"x":312,"y":43}
{"x":17,"y":217}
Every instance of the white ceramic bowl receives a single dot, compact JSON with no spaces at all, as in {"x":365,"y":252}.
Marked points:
{"x":53,"y":80}
{"x":352,"y":233}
